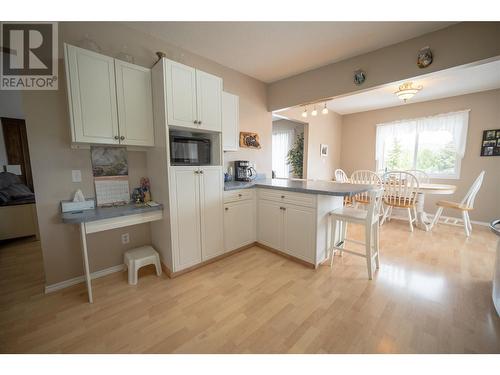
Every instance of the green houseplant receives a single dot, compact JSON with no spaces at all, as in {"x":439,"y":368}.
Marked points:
{"x":295,"y":156}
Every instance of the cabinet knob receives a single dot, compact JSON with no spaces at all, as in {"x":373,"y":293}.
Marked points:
{"x":240,"y":195}
{"x":122,"y":138}
{"x":199,"y":122}
{"x":195,"y":121}
{"x":196,"y":172}
{"x":201,"y":172}
{"x":226,"y":208}
{"x":282,"y":196}
{"x":116,"y":137}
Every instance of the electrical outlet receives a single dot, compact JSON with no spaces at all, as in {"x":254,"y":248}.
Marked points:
{"x":125,"y":238}
{"x":76,"y":175}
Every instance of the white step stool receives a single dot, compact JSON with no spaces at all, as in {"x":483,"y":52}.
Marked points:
{"x":140,"y":257}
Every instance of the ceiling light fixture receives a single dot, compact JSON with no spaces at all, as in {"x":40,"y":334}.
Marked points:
{"x":324,"y":110}
{"x":407,"y":91}
{"x":314,"y":111}
{"x":304,"y":114}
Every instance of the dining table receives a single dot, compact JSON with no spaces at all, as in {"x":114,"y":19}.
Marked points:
{"x":423,"y":221}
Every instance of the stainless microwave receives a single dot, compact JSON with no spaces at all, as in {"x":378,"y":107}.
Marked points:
{"x":189,"y":150}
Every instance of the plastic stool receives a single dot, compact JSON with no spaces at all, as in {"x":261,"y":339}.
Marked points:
{"x":140,"y":257}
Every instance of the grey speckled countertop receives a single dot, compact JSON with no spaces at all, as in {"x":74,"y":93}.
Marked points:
{"x":308,"y":187}
{"x":100,"y":213}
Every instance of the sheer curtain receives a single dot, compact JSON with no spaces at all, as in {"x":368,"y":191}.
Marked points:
{"x":455,"y":123}
{"x":282,"y":142}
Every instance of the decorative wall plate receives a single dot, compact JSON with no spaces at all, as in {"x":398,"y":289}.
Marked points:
{"x":359,"y":77}
{"x":424,"y":57}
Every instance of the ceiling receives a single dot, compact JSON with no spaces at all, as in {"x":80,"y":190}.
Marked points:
{"x":442,"y":84}
{"x":269,"y":51}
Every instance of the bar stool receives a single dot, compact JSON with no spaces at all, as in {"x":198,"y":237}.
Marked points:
{"x":369,"y":218}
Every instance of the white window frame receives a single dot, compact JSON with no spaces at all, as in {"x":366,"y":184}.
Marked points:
{"x":458,"y":159}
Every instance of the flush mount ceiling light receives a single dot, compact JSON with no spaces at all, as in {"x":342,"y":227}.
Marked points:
{"x":407,"y":91}
{"x":324,"y":110}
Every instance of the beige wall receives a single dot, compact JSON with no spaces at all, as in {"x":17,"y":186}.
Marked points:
{"x":322,"y":129}
{"x":358,"y":145}
{"x":459,"y":44}
{"x":52,"y":158}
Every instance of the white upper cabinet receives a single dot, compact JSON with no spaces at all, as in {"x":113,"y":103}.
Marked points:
{"x":230,"y":121}
{"x":209,"y":101}
{"x":110,"y":101}
{"x":135,"y":104}
{"x":181,"y":95}
{"x":194,"y":98}
{"x":92,"y":96}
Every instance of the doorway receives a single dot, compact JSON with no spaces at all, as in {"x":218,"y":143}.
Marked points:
{"x":288,"y":149}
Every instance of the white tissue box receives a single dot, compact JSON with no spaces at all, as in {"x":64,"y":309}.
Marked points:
{"x":70,"y":206}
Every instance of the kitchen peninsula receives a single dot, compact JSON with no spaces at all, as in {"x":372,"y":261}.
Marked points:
{"x":285,"y":216}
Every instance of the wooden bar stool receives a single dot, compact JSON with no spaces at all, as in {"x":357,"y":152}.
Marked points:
{"x":369,"y":218}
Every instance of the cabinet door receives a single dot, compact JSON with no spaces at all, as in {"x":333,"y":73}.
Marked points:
{"x":299,"y":232}
{"x":135,"y":104}
{"x":270,"y":224}
{"x":211,"y":211}
{"x":181,"y":95}
{"x":230,"y":121}
{"x":185,"y":210}
{"x":209,"y":101}
{"x":92,"y":96}
{"x":239,"y":224}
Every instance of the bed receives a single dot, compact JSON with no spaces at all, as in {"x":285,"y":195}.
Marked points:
{"x":17,"y":208}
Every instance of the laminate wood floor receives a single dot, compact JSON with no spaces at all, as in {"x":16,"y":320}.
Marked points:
{"x":432,"y":294}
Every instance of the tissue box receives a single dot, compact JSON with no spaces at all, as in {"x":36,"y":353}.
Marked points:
{"x":70,"y":206}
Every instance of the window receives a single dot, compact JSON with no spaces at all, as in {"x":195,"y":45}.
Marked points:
{"x":433,"y":144}
{"x":282,"y":142}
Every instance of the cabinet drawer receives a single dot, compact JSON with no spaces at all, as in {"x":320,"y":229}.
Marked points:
{"x":283,"y":196}
{"x":238,"y":195}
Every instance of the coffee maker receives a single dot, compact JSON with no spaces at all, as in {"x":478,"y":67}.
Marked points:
{"x":243,"y":171}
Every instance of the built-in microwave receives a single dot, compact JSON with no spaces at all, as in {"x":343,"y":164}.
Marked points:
{"x":189,"y":150}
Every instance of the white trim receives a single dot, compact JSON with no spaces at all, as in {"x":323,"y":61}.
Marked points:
{"x":80,"y":279}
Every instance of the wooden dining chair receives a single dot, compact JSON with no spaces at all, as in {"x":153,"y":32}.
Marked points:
{"x":368,"y":178}
{"x":340,"y":176}
{"x":400,"y":191}
{"x":421,"y":176}
{"x":465,"y":205}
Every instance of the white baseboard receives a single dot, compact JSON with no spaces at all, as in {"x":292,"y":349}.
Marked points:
{"x":80,"y":279}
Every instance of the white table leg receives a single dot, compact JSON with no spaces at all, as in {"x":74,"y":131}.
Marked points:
{"x":85,"y":255}
{"x":423,"y":221}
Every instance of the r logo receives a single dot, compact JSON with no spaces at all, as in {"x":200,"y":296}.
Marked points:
{"x":29,"y":58}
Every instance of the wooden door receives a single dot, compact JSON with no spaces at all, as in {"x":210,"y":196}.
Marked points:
{"x":209,"y":101}
{"x":16,"y":147}
{"x":211,"y":211}
{"x":230,"y":121}
{"x":181,"y":95}
{"x":135,"y":104}
{"x":92,"y":96}
{"x":185,"y":211}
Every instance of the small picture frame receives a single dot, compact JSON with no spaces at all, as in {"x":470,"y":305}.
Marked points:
{"x":490,"y":144}
{"x":323,"y":150}
{"x":249,"y":140}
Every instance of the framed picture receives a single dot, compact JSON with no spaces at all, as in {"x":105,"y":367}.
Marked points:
{"x":490,"y":145}
{"x":323,"y":149}
{"x":249,"y":140}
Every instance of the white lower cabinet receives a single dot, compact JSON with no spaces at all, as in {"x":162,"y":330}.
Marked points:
{"x":196,"y":205}
{"x":286,"y":227}
{"x":299,"y":232}
{"x":239,"y":224}
{"x":270,"y":224}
